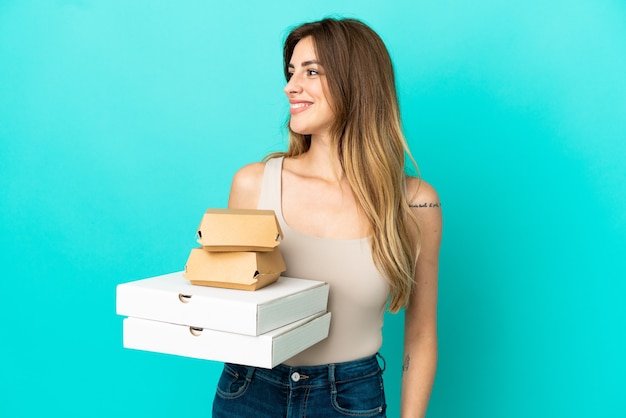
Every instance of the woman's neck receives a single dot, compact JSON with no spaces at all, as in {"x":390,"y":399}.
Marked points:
{"x":321,"y":160}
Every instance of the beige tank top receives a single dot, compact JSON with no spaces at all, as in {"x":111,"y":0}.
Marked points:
{"x":358,"y":292}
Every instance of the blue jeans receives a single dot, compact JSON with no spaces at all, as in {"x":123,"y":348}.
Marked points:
{"x":350,"y":389}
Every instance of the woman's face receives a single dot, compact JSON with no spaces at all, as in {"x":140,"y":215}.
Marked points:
{"x":307,"y":91}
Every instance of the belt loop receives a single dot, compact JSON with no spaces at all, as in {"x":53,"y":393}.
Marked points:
{"x":250,"y":373}
{"x":331,"y":374}
{"x":382,"y":369}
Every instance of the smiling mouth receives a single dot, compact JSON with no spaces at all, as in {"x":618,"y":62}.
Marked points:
{"x":299,"y":107}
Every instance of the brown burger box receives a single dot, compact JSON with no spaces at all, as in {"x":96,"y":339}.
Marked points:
{"x":239,"y":230}
{"x":244,"y":270}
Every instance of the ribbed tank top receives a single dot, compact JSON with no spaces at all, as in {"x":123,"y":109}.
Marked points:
{"x":358,"y":292}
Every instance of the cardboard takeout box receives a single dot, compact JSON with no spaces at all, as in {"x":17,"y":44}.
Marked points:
{"x":265,"y":350}
{"x":239,"y":230}
{"x":171,"y":298}
{"x":234,"y":270}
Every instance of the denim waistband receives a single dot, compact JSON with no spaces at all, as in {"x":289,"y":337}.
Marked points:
{"x":317,"y":376}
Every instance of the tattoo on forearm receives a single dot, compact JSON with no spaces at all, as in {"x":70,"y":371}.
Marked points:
{"x":426,"y":205}
{"x":405,"y":363}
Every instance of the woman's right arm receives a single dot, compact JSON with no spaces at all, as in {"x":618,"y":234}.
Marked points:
{"x":245,"y":188}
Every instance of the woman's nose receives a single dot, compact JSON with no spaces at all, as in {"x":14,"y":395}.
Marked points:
{"x":293,"y":86}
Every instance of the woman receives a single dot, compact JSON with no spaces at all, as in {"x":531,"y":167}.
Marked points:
{"x":351,"y":217}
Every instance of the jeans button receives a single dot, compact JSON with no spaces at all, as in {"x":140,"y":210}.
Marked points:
{"x":295,"y":376}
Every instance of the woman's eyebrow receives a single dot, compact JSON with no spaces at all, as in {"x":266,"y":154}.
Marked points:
{"x":305,"y":63}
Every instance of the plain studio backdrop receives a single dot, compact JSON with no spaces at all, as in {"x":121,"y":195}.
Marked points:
{"x":121,"y":122}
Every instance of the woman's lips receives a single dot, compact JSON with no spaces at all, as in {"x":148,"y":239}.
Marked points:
{"x":296,"y":107}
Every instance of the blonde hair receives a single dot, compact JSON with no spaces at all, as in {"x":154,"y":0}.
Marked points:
{"x":368,"y":139}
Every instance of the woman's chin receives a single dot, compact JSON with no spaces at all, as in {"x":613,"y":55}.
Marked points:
{"x":299,"y":130}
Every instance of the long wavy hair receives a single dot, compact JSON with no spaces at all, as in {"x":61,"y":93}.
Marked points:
{"x":368,"y":139}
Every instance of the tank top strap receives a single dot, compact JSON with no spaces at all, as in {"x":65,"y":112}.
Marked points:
{"x":271,"y":187}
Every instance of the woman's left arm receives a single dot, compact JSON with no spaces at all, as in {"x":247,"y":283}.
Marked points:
{"x":420,"y":328}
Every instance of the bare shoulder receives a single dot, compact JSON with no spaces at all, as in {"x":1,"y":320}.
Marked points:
{"x":426,"y":206}
{"x":421,"y":194}
{"x":245,"y":188}
{"x":250,"y":175}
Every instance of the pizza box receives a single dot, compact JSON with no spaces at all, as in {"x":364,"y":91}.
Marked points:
{"x":265,"y":350}
{"x":172,"y":298}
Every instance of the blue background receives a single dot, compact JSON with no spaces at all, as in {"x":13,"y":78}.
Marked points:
{"x":121,"y":122}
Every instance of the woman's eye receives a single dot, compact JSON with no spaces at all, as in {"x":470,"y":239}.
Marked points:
{"x":312,"y":72}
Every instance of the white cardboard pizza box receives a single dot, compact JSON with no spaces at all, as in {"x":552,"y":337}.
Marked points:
{"x":266,"y":350}
{"x":172,"y":298}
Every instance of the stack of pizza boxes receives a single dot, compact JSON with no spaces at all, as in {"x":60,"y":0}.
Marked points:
{"x":231,"y":303}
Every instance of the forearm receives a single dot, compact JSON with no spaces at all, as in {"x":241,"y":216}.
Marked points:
{"x":418,"y":374}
